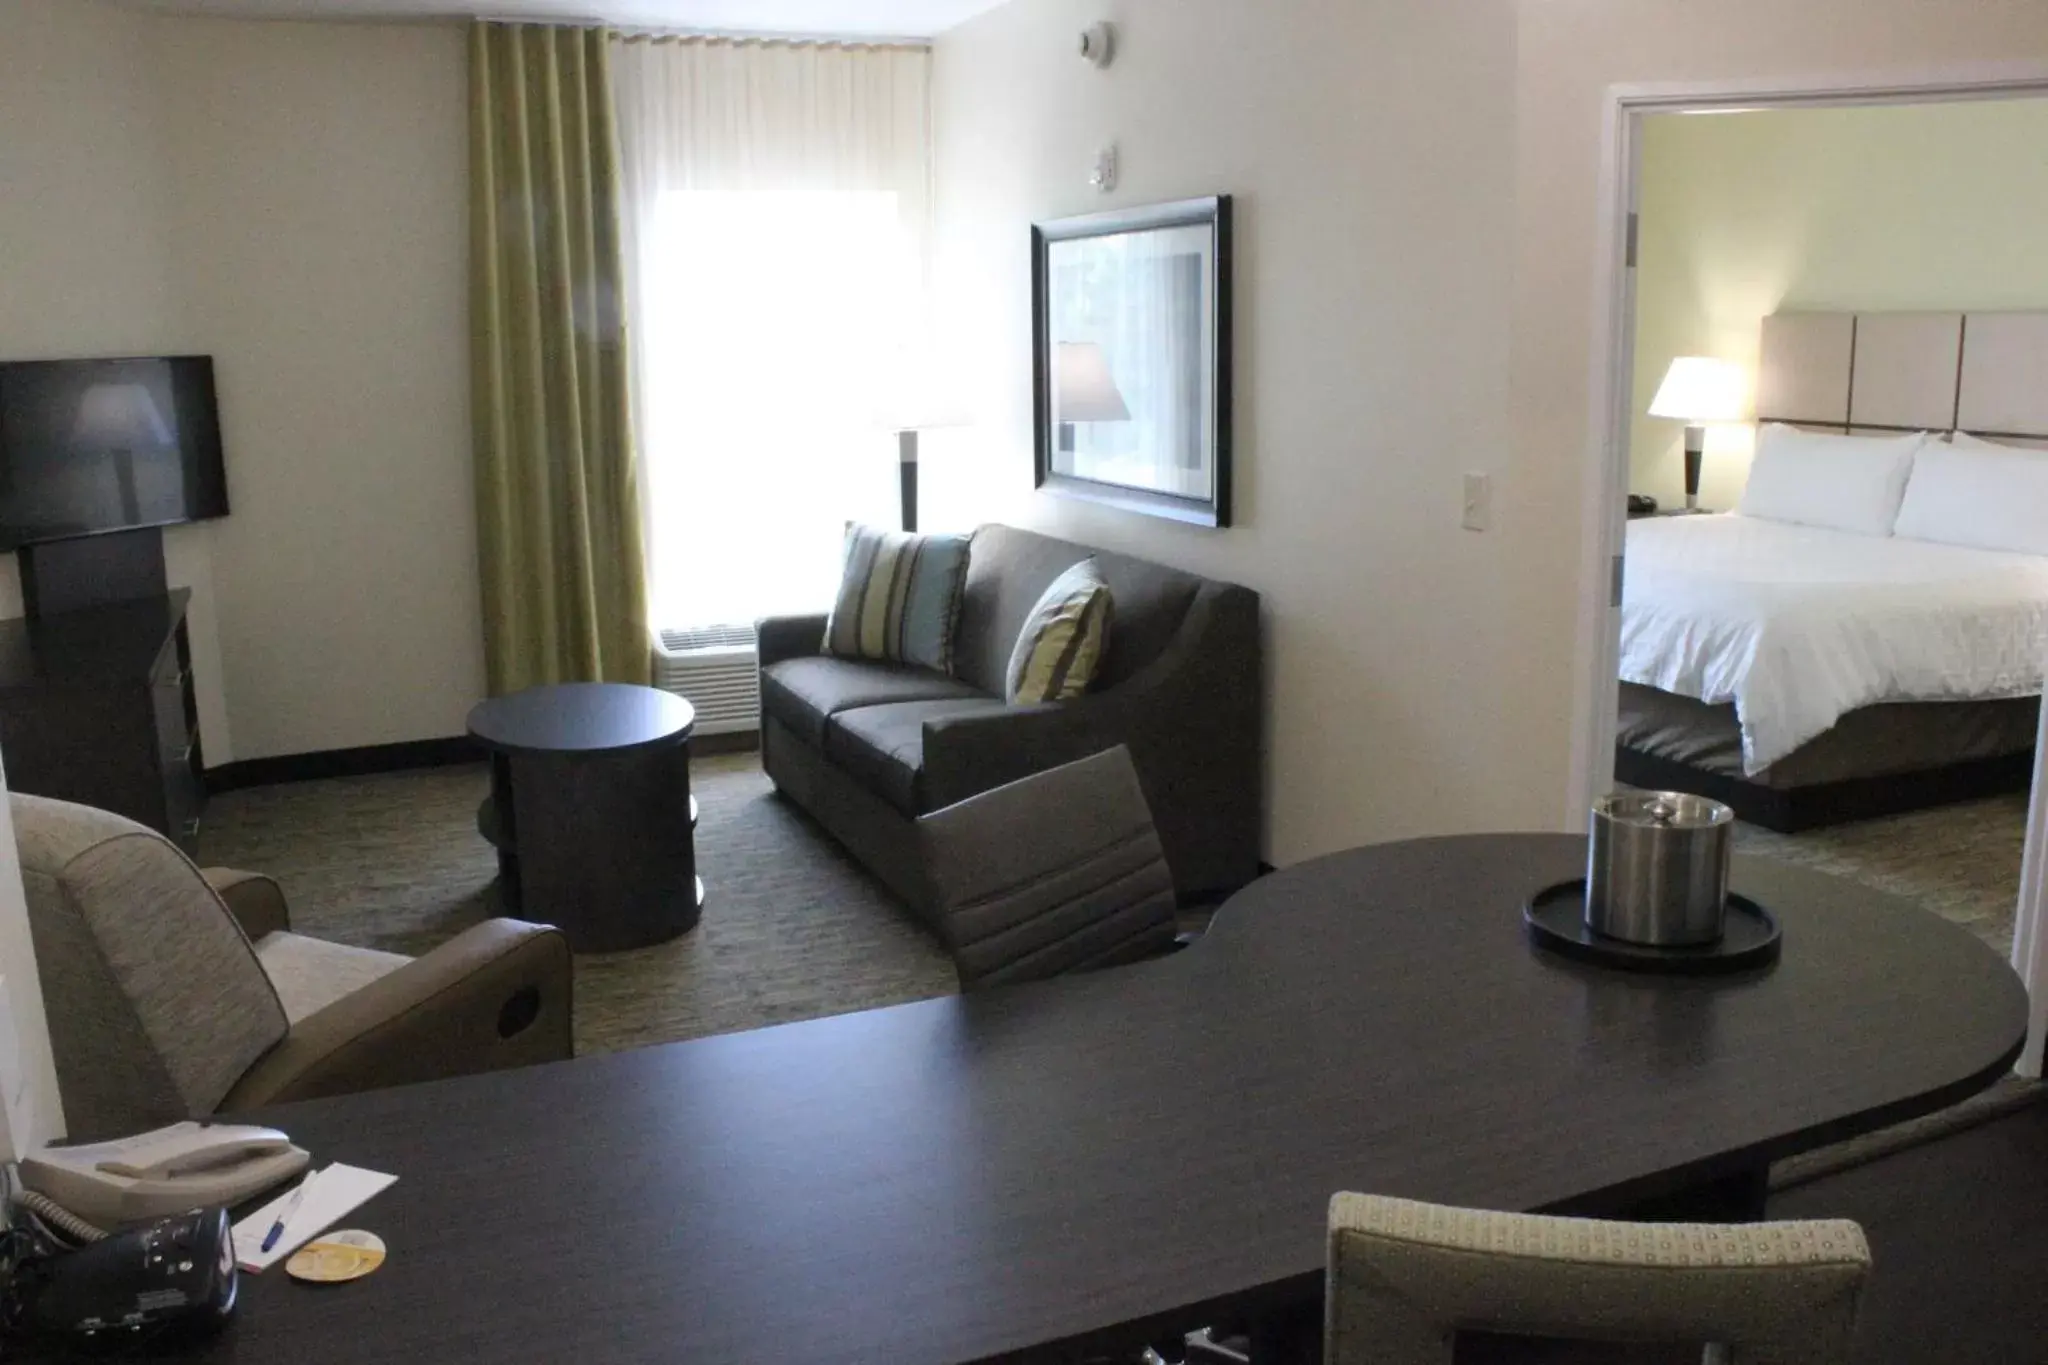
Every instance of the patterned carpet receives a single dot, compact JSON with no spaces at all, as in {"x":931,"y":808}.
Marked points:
{"x":793,"y":929}
{"x":1962,"y":861}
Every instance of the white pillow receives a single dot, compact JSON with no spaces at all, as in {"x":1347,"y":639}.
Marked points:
{"x":1978,"y":493}
{"x":1849,"y":483}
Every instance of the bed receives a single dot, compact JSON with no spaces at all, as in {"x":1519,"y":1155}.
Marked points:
{"x":1812,"y":674}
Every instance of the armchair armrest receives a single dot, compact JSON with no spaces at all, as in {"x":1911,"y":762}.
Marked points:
{"x":790,"y":637}
{"x":496,"y":996}
{"x":256,"y":901}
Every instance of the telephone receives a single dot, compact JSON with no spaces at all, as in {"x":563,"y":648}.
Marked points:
{"x":1641,"y":505}
{"x":165,"y":1171}
{"x":173,"y":1280}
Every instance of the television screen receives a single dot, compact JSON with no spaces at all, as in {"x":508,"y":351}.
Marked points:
{"x":107,"y":445}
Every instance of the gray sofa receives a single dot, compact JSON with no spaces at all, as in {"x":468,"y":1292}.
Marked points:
{"x":868,"y":747}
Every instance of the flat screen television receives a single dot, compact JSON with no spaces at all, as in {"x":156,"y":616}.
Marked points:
{"x":90,"y":446}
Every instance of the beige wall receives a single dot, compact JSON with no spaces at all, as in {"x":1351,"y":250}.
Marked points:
{"x":1368,"y":144}
{"x":320,"y":223}
{"x":291,"y":199}
{"x":84,"y":270}
{"x":1931,"y":206}
{"x":1569,"y":53}
{"x":85,"y":260}
{"x":1418,"y":187}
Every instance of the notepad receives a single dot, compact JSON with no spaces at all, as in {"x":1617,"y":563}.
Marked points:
{"x":341,"y":1191}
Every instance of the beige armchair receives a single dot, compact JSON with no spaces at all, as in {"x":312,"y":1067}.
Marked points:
{"x":177,"y":994}
{"x":1405,"y":1278}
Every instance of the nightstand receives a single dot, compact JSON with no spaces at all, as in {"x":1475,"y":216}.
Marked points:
{"x":1673,"y":512}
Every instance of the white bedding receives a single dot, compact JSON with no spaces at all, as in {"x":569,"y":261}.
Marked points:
{"x":1797,"y":625}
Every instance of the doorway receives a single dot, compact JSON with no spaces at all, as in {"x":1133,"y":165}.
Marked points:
{"x":1618,"y":397}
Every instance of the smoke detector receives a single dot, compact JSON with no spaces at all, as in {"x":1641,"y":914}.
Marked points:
{"x":1098,"y":43}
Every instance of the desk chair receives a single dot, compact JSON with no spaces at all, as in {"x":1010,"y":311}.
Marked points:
{"x":173,"y":994}
{"x":1404,"y":1278}
{"x":1058,"y":872}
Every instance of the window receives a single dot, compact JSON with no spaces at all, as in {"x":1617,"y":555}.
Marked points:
{"x":776,"y":206}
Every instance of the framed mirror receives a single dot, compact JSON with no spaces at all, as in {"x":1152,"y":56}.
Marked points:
{"x":1131,"y":358}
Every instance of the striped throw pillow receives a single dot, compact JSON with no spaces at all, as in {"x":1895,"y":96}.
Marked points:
{"x":1063,"y":640}
{"x":899,"y":597}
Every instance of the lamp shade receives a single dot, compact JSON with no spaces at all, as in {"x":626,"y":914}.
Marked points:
{"x":1699,"y":388}
{"x":1086,"y":392}
{"x":118,"y":417}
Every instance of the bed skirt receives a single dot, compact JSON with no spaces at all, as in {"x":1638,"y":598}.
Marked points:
{"x":1879,"y":760}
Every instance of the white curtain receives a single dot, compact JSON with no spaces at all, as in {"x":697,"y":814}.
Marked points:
{"x":777,"y":219}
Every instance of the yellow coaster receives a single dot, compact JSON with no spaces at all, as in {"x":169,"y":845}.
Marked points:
{"x":337,"y":1256}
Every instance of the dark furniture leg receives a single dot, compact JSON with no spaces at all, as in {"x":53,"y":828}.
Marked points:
{"x":1289,"y":1336}
{"x":1736,"y":1198}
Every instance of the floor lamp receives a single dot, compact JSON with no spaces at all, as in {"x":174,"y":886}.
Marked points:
{"x":922,"y":404}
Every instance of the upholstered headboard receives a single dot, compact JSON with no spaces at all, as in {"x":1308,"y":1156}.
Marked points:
{"x":1985,"y":373}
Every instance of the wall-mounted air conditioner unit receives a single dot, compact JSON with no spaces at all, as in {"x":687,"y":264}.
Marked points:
{"x":716,"y":670}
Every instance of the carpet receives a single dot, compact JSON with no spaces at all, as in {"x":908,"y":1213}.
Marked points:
{"x":794,"y":929}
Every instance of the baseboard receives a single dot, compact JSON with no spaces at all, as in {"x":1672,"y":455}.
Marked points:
{"x":359,"y":762}
{"x":733,"y":742}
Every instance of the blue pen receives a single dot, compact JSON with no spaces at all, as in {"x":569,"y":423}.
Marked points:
{"x":285,"y":1214}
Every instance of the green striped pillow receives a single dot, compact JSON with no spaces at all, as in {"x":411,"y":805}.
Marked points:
{"x":1063,"y":640}
{"x":899,"y":597}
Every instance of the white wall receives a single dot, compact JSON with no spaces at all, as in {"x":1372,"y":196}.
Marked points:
{"x":1925,"y":206}
{"x":319,"y":223}
{"x":1369,"y":145}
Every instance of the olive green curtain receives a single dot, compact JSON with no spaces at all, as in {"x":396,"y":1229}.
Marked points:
{"x":558,"y":515}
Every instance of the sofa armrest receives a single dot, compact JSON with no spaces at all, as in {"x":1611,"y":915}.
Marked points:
{"x":256,"y":901}
{"x":790,"y":637}
{"x":495,"y":996}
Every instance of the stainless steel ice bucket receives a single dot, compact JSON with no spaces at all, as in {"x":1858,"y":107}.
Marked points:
{"x":1658,"y":869}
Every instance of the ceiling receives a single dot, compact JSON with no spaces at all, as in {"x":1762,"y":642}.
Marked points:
{"x":817,"y":18}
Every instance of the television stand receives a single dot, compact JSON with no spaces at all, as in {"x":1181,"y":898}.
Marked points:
{"x":97,"y":706}
{"x":92,"y":571}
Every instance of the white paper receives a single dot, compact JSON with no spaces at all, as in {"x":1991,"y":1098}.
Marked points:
{"x":339,"y":1191}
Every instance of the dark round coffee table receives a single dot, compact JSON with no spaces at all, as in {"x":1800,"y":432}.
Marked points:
{"x":590,"y":811}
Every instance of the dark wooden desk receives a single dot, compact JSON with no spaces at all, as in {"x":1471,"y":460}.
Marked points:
{"x":1091,"y":1160}
{"x":590,"y":811}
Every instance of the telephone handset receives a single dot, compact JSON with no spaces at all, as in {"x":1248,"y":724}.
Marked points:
{"x":185,"y":1166}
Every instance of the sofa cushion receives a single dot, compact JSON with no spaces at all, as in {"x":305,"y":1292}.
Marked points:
{"x":1010,"y":569}
{"x":882,"y":747}
{"x":805,"y":693}
{"x":309,"y":974}
{"x":899,"y":597}
{"x":1061,"y":644}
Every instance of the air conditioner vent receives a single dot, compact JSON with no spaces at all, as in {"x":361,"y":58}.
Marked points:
{"x":716,"y":670}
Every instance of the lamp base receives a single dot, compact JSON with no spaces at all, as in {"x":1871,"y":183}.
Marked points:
{"x":1695,"y":455}
{"x":906,"y":464}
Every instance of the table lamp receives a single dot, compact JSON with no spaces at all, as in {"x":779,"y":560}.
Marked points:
{"x":1698,"y":389}
{"x":1084,"y":390}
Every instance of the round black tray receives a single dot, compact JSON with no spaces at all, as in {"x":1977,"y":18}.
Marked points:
{"x":1556,"y":917}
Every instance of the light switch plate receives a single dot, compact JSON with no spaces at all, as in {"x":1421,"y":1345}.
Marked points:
{"x":1478,"y":514}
